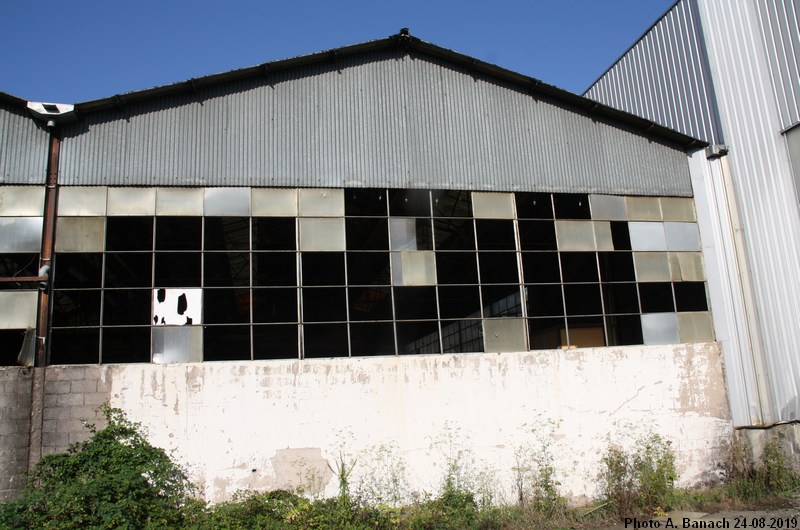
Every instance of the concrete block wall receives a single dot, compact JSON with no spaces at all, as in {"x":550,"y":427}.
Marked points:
{"x":15,"y":413}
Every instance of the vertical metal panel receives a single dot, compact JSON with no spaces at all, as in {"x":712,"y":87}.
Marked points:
{"x":23,"y":148}
{"x":779,"y":21}
{"x":665,"y":77}
{"x":381,"y":119}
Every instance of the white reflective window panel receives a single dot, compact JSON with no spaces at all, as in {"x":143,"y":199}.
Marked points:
{"x":18,"y":201}
{"x":227,"y":201}
{"x":322,"y":234}
{"x":321,"y":202}
{"x":689,"y":266}
{"x":413,"y":268}
{"x":695,"y":327}
{"x":682,"y":236}
{"x":80,"y":234}
{"x":179,"y":201}
{"x":20,"y":234}
{"x":660,"y":328}
{"x":403,"y":233}
{"x":487,"y":205}
{"x":177,"y":307}
{"x":504,"y":335}
{"x":652,"y":266}
{"x":575,"y":235}
{"x":602,"y":236}
{"x":608,"y":207}
{"x":182,"y":344}
{"x":677,"y":209}
{"x":647,"y":236}
{"x":18,"y":309}
{"x":82,"y":201}
{"x":643,"y":208}
{"x":131,"y":201}
{"x":278,"y":202}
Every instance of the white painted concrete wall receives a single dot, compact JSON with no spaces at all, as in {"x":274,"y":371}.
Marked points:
{"x":271,"y":424}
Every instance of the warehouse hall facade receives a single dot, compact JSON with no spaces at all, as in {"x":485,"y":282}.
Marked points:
{"x":394,"y":221}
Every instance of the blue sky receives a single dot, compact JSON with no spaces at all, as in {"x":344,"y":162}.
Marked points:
{"x":80,"y":50}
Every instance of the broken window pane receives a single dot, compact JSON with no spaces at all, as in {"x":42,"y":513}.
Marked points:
{"x":462,"y":336}
{"x":571,"y":206}
{"x":459,"y":302}
{"x":409,"y":203}
{"x":226,"y":343}
{"x":129,"y":269}
{"x":368,"y":268}
{"x":325,"y":340}
{"x":456,"y":267}
{"x":226,"y":269}
{"x":74,"y":271}
{"x":365,"y":202}
{"x":76,"y":308}
{"x":178,"y":233}
{"x":370,"y":303}
{"x":620,"y":235}
{"x":621,"y":298}
{"x":274,"y":233}
{"x":275,"y":342}
{"x":498,"y":267}
{"x":227,"y":233}
{"x":129,"y":233}
{"x":579,"y":266}
{"x":127,"y":307}
{"x":412,"y":303}
{"x":624,"y":330}
{"x":586,"y":332}
{"x":656,"y":297}
{"x":74,"y":346}
{"x":126,"y":345}
{"x":226,"y":306}
{"x":690,"y":296}
{"x":274,"y":305}
{"x":495,"y":234}
{"x":373,"y":338}
{"x":582,"y":299}
{"x":544,"y":300}
{"x":616,"y":267}
{"x":324,"y":304}
{"x":452,"y":203}
{"x":322,"y":268}
{"x":541,"y":267}
{"x":454,"y":234}
{"x":547,"y":333}
{"x":410,"y":234}
{"x":534,"y":205}
{"x":274,"y":268}
{"x":367,"y":234}
{"x":501,"y":301}
{"x":177,"y":269}
{"x":18,"y":265}
{"x":417,"y":338}
{"x":177,"y":307}
{"x":537,"y":235}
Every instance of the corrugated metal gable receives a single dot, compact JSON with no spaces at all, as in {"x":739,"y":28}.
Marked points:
{"x":23,"y":148}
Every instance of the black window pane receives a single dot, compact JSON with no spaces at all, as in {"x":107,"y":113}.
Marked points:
{"x":656,"y":297}
{"x":10,"y":346}
{"x":459,"y":302}
{"x":571,"y":206}
{"x":129,"y":233}
{"x":18,"y":265}
{"x":541,"y":267}
{"x":126,"y":345}
{"x":501,"y":301}
{"x":581,"y":299}
{"x":547,"y":333}
{"x":129,"y":269}
{"x":226,"y":343}
{"x":495,"y":234}
{"x":624,"y":330}
{"x":178,"y":233}
{"x":417,"y":338}
{"x":370,"y":303}
{"x":690,"y":296}
{"x":409,"y":203}
{"x":620,"y":236}
{"x":75,"y":346}
{"x":325,"y":340}
{"x":77,"y":308}
{"x":374,"y":338}
{"x":452,"y":203}
{"x":415,"y":303}
{"x":498,"y":267}
{"x":368,"y":268}
{"x":226,"y":269}
{"x":537,"y":235}
{"x":74,"y":271}
{"x":323,"y":268}
{"x":274,"y":305}
{"x":579,"y":266}
{"x":127,"y":307}
{"x":616,"y":267}
{"x":274,"y":233}
{"x":227,"y":233}
{"x":534,"y":206}
{"x":366,"y":234}
{"x":365,"y":202}
{"x":275,"y":342}
{"x":177,"y":269}
{"x":456,"y":267}
{"x":226,"y":306}
{"x":586,"y":332}
{"x":324,"y":304}
{"x":621,"y":298}
{"x":454,"y":234}
{"x":545,"y":300}
{"x":274,"y":268}
{"x":462,"y":336}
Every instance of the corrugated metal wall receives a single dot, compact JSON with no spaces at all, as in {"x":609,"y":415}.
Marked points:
{"x":665,"y":77}
{"x":386,"y":119}
{"x":23,"y":148}
{"x":780,"y":29}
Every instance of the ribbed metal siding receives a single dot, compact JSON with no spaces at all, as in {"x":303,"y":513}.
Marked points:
{"x":23,"y":148}
{"x":388,"y":119}
{"x":780,"y":29}
{"x":665,"y":77}
{"x":764,"y":188}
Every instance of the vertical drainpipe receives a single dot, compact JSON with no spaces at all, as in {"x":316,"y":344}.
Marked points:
{"x":48,"y":240}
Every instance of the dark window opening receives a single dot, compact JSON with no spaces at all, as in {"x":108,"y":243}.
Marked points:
{"x":324,"y":304}
{"x":178,"y":233}
{"x":547,"y":333}
{"x":501,"y":301}
{"x":498,"y":267}
{"x":454,"y":234}
{"x":129,"y":233}
{"x":365,"y":202}
{"x":274,"y":305}
{"x":325,"y":340}
{"x":415,"y":303}
{"x":373,"y":338}
{"x":624,"y":330}
{"x":75,"y":346}
{"x":495,"y":234}
{"x":541,"y":267}
{"x":656,"y":297}
{"x":274,"y":268}
{"x":126,"y":345}
{"x":368,"y":268}
{"x":571,"y":206}
{"x":537,"y":235}
{"x":226,"y":343}
{"x":582,"y":299}
{"x":534,"y":206}
{"x":367,"y":234}
{"x":544,"y":300}
{"x":129,"y":269}
{"x":579,"y":267}
{"x":409,"y":203}
{"x":370,"y":303}
{"x":275,"y":342}
{"x":620,"y":235}
{"x":452,"y":203}
{"x":690,"y":296}
{"x":76,"y":308}
{"x":456,"y":268}
{"x":226,"y":306}
{"x":12,"y":265}
{"x":10,"y":345}
{"x":323,"y":268}
{"x":77,"y":271}
{"x":127,"y":307}
{"x":177,"y":269}
{"x":617,"y":267}
{"x":462,"y":336}
{"x":417,"y":338}
{"x":459,"y":302}
{"x":620,"y":298}
{"x":226,"y":269}
{"x":227,"y":233}
{"x":274,"y":233}
{"x":586,"y":332}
